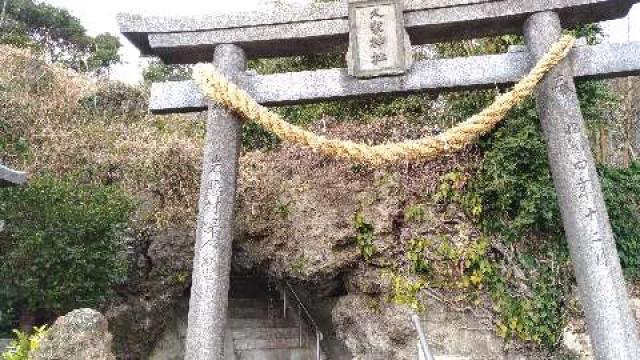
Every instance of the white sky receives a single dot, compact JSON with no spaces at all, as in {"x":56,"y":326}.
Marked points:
{"x":100,"y":16}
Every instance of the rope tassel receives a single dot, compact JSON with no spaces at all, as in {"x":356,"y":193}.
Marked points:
{"x":216,"y":87}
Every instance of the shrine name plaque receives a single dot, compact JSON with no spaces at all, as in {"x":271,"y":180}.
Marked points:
{"x":378,"y":40}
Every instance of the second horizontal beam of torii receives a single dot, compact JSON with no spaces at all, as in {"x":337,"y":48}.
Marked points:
{"x":10,"y":177}
{"x":476,"y":72}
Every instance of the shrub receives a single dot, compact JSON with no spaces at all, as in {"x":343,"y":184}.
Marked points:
{"x":117,"y":100}
{"x":514,"y":183}
{"x":621,"y":189}
{"x":61,"y":248}
{"x":24,"y":344}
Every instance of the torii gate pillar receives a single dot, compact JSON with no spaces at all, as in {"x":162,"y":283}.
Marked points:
{"x":593,"y":250}
{"x":214,"y":237}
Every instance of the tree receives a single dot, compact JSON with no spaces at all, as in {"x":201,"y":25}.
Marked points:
{"x":60,"y":250}
{"x":32,"y":24}
{"x":159,"y":72}
{"x":47,"y":27}
{"x":104,"y":53}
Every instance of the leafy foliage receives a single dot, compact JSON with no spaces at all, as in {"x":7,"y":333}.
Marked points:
{"x":415,"y":213}
{"x":60,"y":250}
{"x":416,"y":255}
{"x":104,"y":52}
{"x":537,"y":317}
{"x":364,"y":236}
{"x":514,"y":183}
{"x":30,"y":23}
{"x":38,"y":25}
{"x":622,"y":193}
{"x":24,"y":344}
{"x":156,"y":71}
{"x":116,"y":101}
{"x":513,"y":197}
{"x":405,"y":291}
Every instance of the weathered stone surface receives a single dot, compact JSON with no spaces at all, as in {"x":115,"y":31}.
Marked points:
{"x":80,"y":335}
{"x":372,"y":333}
{"x":214,"y":235}
{"x":599,"y":61}
{"x":159,"y":275}
{"x":386,"y":332}
{"x":311,"y":29}
{"x":9,"y":177}
{"x":170,"y":346}
{"x":377,"y":38}
{"x":592,"y":246}
{"x":576,"y":339}
{"x":4,"y":343}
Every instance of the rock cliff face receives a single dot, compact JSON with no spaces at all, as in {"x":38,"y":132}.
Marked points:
{"x":305,"y":218}
{"x":340,"y":233}
{"x":343,"y":235}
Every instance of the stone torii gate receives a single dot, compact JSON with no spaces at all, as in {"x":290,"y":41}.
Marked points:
{"x":232,"y":39}
{"x":9,"y":177}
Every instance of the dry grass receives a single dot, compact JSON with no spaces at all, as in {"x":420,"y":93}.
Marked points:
{"x":75,"y":126}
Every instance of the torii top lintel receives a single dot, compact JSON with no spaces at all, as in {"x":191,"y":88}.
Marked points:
{"x":291,"y":31}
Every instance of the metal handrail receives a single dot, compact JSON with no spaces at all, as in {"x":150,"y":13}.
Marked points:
{"x":302,"y":309}
{"x":423,"y":338}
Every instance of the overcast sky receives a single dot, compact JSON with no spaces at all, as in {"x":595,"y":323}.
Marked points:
{"x":100,"y":16}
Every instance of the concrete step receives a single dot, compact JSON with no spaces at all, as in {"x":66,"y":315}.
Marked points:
{"x":248,"y":313}
{"x":258,"y":323}
{"x":249,"y":302}
{"x":266,"y":344}
{"x":279,"y":354}
{"x":248,"y":288}
{"x":265,"y":333}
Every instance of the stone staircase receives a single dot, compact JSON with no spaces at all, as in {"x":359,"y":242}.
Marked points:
{"x":257,"y":326}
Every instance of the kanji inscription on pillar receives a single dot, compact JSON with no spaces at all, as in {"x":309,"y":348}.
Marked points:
{"x":378,"y":39}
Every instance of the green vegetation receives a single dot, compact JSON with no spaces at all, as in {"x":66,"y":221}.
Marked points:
{"x":513,"y":184}
{"x":364,"y":236}
{"x":37,"y":25}
{"x":23,"y":344}
{"x":283,"y":208}
{"x":61,"y":248}
{"x":156,"y":71}
{"x":405,"y":291}
{"x":415,"y":213}
{"x":416,"y":255}
{"x":299,"y":266}
{"x":622,"y":194}
{"x":537,"y":316}
{"x":511,"y":196}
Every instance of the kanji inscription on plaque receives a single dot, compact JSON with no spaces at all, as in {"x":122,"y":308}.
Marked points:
{"x":377,"y":38}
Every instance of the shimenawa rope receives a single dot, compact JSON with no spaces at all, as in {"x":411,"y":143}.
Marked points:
{"x":215,"y":86}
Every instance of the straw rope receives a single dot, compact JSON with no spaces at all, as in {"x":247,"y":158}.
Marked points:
{"x":215,"y":86}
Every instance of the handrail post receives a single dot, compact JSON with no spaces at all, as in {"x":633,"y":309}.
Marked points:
{"x":318,"y":335}
{"x":299,"y":326}
{"x":286,"y":287}
{"x":284,"y":300}
{"x":424,"y":346}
